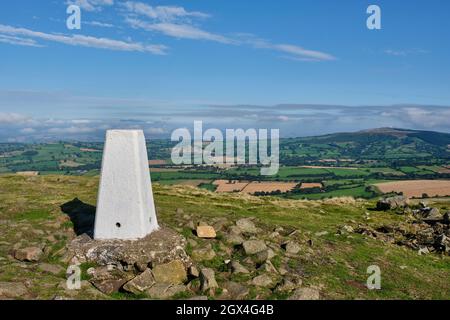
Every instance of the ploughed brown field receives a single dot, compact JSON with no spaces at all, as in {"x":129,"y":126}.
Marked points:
{"x":416,"y":188}
{"x":252,"y":187}
{"x":229,"y":186}
{"x":307,"y":185}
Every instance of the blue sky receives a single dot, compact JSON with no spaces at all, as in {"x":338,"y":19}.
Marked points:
{"x":306,"y":67}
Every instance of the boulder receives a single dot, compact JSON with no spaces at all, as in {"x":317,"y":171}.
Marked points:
{"x":234,"y":239}
{"x":193,"y":272}
{"x":263,"y":256}
{"x":433,"y":215}
{"x":164,"y":290}
{"x":12,"y":290}
{"x":140,"y":283}
{"x":305,"y":294}
{"x":208,"y":280}
{"x":206,"y":232}
{"x":392,"y":203}
{"x":173,"y":272}
{"x":51,"y":268}
{"x":203,"y":254}
{"x":263,"y":281}
{"x":31,"y":254}
{"x":446,"y":217}
{"x":235,"y":291}
{"x":253,"y":246}
{"x":237,"y":268}
{"x":291,"y":247}
{"x":247,"y":226}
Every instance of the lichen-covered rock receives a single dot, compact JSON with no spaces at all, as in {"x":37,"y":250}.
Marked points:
{"x":173,"y":272}
{"x":12,"y":290}
{"x":263,"y":281}
{"x":207,"y":280}
{"x":247,"y":226}
{"x":392,"y":203}
{"x":206,"y":232}
{"x":159,"y":247}
{"x":237,"y":268}
{"x":305,"y":294}
{"x":254,"y":246}
{"x":31,"y":254}
{"x":164,"y":290}
{"x":203,"y":254}
{"x":140,"y":283}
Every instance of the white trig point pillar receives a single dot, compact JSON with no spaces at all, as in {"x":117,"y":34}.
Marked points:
{"x":125,"y":207}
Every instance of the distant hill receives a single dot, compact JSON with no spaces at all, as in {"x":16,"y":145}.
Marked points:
{"x":375,"y":144}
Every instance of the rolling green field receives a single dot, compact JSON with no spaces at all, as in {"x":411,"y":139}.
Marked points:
{"x":347,"y":164}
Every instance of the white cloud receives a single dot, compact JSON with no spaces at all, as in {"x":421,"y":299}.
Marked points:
{"x":27,"y":130}
{"x":98,"y":24}
{"x":13,"y":118}
{"x":425,"y":118}
{"x":85,"y":41}
{"x":18,"y":41}
{"x":161,"y":13}
{"x":294,"y":52}
{"x":91,"y":5}
{"x":403,"y":53}
{"x":184,"y":31}
{"x":72,"y":130}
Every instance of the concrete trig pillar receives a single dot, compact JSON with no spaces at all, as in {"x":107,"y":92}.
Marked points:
{"x":125,"y":206}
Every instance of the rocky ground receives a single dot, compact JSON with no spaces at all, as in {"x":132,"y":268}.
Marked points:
{"x":220,"y":247}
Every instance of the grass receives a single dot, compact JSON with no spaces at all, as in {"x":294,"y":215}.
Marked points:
{"x":422,"y":277}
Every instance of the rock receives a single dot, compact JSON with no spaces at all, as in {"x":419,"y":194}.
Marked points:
{"x":234,"y":230}
{"x":164,"y":290}
{"x":51,"y":268}
{"x":31,"y":254}
{"x":263,"y":281}
{"x":203,"y":254}
{"x":12,"y":290}
{"x":206,"y":232}
{"x":442,"y":243}
{"x":286,"y":286}
{"x":268,"y":267}
{"x":141,"y":266}
{"x":346,"y":229}
{"x":234,"y":239}
{"x":433,"y":215}
{"x":263,"y":256}
{"x":235,"y":291}
{"x":305,"y":294}
{"x":392,"y":203}
{"x":179,"y":211}
{"x":446,"y":217}
{"x":173,"y":272}
{"x":322,"y":233}
{"x":423,"y":250}
{"x":247,"y":226}
{"x":108,"y":280}
{"x":253,"y":246}
{"x":159,"y":247}
{"x":237,"y":268}
{"x":193,"y":272}
{"x":207,"y":280}
{"x":291,"y":247}
{"x":140,"y":283}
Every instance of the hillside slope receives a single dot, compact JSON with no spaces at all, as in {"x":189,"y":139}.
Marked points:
{"x":331,"y":258}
